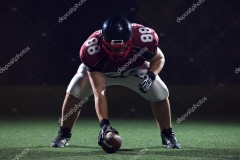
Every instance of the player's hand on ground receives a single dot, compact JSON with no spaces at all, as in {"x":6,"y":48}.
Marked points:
{"x":103,"y":131}
{"x":146,"y":82}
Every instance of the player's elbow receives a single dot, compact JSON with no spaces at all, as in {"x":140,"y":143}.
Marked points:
{"x":162,"y":61}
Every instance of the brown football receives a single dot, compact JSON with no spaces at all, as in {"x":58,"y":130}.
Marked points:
{"x":112,"y":142}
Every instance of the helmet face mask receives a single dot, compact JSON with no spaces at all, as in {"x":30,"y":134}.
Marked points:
{"x":117,"y":38}
{"x":117,"y":51}
{"x":116,"y":46}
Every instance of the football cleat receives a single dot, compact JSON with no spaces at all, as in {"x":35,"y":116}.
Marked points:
{"x":169,"y":140}
{"x":64,"y":135}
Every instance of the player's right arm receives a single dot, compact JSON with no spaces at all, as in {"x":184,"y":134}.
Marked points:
{"x":98,"y":83}
{"x":91,"y":55}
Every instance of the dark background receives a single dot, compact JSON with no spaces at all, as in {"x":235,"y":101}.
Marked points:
{"x":201,"y":54}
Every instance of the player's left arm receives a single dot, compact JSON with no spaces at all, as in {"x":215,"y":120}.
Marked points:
{"x":157,"y":62}
{"x":156,"y":65}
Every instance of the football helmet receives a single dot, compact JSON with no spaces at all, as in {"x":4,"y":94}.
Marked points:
{"x":117,"y":38}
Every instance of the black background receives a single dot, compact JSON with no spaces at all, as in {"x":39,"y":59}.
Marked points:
{"x":202,"y":53}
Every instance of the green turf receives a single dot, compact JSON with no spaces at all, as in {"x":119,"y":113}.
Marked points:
{"x":200,"y":140}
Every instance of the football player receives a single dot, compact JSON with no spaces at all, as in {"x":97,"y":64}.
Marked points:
{"x":119,"y":54}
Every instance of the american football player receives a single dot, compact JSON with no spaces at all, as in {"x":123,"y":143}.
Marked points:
{"x":124,"y":54}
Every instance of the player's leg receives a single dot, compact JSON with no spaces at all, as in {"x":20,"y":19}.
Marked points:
{"x":78,"y":92}
{"x":67,"y":123}
{"x":68,"y":104}
{"x":158,"y":96}
{"x":162,"y":113}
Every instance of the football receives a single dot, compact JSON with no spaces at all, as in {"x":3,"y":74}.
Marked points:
{"x":112,"y":142}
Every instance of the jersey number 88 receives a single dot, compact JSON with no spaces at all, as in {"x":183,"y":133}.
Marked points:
{"x":92,"y":46}
{"x":146,"y":34}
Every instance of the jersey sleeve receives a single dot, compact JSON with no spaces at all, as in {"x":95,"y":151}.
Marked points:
{"x":145,"y":37}
{"x":90,"y":52}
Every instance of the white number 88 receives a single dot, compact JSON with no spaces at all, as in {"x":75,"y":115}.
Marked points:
{"x":145,"y":37}
{"x":92,"y":46}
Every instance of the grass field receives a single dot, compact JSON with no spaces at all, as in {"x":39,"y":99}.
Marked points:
{"x":214,"y":139}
